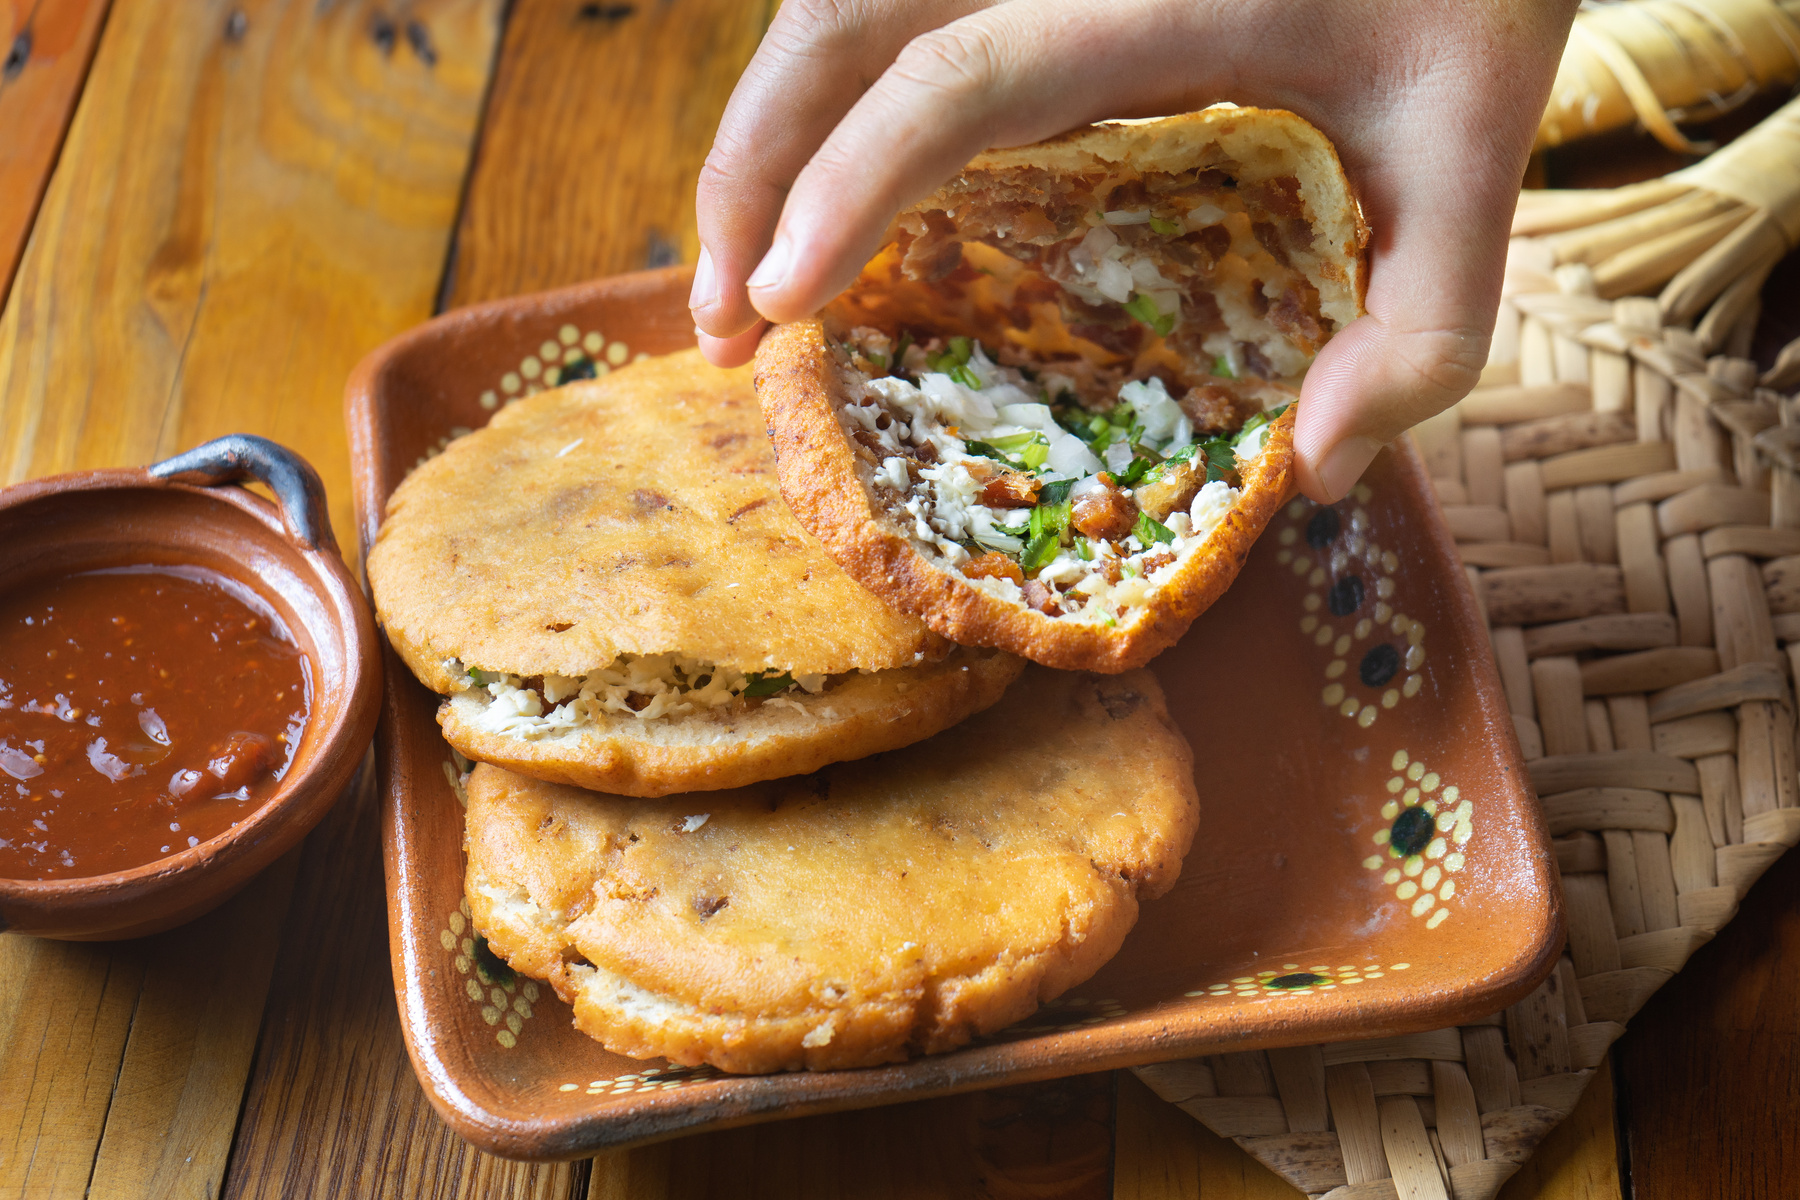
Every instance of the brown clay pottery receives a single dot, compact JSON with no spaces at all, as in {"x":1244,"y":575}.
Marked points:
{"x":178,"y":513}
{"x":1370,"y":860}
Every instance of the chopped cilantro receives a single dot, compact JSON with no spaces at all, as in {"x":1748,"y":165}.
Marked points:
{"x":1144,"y":309}
{"x":905,"y":344}
{"x":966,"y":377}
{"x":767,"y":683}
{"x":1149,"y":530}
{"x":1135,"y":471}
{"x":962,"y":348}
{"x":1222,"y":367}
{"x":1221,"y":458}
{"x":1039,"y":551}
{"x":480,"y":676}
{"x":1035,"y":454}
{"x":1084,"y":549}
{"x":1166,"y":228}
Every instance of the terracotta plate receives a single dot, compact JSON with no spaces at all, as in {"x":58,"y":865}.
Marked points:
{"x":1371,"y":860}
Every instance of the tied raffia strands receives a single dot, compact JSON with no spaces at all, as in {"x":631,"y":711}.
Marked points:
{"x":1629,"y":516}
{"x":1705,"y":235}
{"x":1661,"y":62}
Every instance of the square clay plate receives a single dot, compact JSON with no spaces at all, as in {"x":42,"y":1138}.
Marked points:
{"x":1339,"y":699}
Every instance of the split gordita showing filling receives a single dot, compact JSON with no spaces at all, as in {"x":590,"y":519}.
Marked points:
{"x":1075,"y":497}
{"x":646,"y":687}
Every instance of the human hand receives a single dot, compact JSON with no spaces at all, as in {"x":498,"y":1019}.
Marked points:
{"x":853,"y":109}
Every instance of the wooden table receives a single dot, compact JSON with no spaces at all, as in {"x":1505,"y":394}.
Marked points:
{"x":214,"y":209}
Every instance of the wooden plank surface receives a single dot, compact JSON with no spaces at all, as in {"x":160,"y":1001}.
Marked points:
{"x":44,"y":56}
{"x":1712,"y":1106}
{"x":600,"y":118}
{"x":253,"y":194}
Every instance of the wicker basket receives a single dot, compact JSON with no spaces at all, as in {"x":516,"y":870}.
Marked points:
{"x":1629,"y":513}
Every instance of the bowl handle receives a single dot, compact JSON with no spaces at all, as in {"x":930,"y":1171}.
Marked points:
{"x":298,"y":492}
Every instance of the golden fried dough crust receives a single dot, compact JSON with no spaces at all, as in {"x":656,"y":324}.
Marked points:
{"x":898,"y":905}
{"x":859,"y":715}
{"x":827,"y":481}
{"x":636,"y":514}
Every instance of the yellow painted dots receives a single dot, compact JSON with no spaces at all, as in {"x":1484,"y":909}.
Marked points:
{"x":1382,"y":613}
{"x":1448,"y":890}
{"x":1367,"y":716}
{"x":1429,"y":782}
{"x":549,"y":351}
{"x":1453,"y":862}
{"x":567,"y":1087}
{"x":1371,"y":862}
{"x":1415,"y":656}
{"x":1323,"y":635}
{"x":1317,"y":577}
{"x":1392,"y":877}
{"x":490,"y":401}
{"x":1337,"y":667}
{"x":1395,"y":784}
{"x":1362,"y":629}
{"x":1312,"y":602}
{"x":1400,"y":760}
{"x":1411,"y":797}
{"x":1451,"y":794}
{"x":1333,"y":693}
{"x":592,"y":343}
{"x":1288,"y":536}
{"x":1350,"y":707}
{"x":1413,"y":865}
{"x":1302,"y":565}
{"x":1296,"y":510}
{"x":1437,"y":918}
{"x":617,"y":353}
{"x":1435,"y":848}
{"x":1390,"y":561}
{"x":1430,"y":879}
{"x":1411,"y":687}
{"x":509,"y":383}
{"x":1384,"y":587}
{"x":1390,"y":810}
{"x":1308,"y":624}
{"x":1390,"y":698}
{"x":1415,"y":771}
{"x":1381,"y":837}
{"x":531,"y":367}
{"x":1423,"y":904}
{"x":1284,"y":557}
{"x":1342,"y":646}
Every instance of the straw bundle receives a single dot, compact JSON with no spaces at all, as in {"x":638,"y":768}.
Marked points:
{"x":1707,"y":235}
{"x":1667,"y":61}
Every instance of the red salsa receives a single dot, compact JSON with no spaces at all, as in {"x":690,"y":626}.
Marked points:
{"x":143,"y":710}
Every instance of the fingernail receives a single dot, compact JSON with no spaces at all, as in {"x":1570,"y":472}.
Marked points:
{"x":705,"y":292}
{"x":1345,"y":463}
{"x":775,"y":267}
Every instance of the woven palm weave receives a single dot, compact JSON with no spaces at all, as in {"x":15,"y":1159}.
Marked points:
{"x":1628,"y":511}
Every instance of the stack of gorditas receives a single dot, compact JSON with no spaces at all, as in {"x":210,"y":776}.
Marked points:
{"x":737,"y":655}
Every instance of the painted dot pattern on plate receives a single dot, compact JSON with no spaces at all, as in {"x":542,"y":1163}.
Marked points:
{"x":1421,"y":843}
{"x":1350,"y":607}
{"x":648,"y":1079}
{"x":571,"y":355}
{"x":1297,"y":979}
{"x":501,"y":997}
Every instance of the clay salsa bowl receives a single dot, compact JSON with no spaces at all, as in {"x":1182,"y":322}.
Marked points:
{"x":180,"y":512}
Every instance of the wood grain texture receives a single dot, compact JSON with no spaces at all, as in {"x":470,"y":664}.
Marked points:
{"x":333,"y":1108}
{"x":253,"y":194}
{"x":1711,"y":1066}
{"x":65,"y":1011}
{"x":1042,"y":1142}
{"x":193,"y":1033}
{"x":46,"y":50}
{"x":1578,"y":1159}
{"x":600,"y":118}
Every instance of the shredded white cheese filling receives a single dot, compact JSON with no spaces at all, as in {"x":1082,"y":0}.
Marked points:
{"x":648,"y":687}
